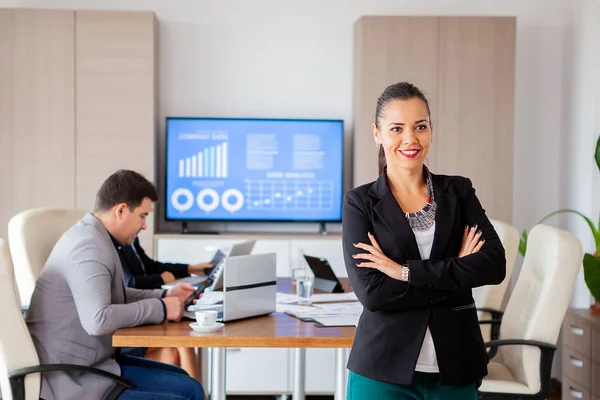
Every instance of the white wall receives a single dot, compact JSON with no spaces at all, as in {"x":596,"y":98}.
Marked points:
{"x":581,"y":127}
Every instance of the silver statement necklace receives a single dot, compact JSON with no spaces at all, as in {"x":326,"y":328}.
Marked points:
{"x":424,"y":219}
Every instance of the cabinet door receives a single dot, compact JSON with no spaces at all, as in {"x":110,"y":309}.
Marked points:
{"x":320,"y":371}
{"x":37,"y":111}
{"x":253,"y":371}
{"x":115,"y":92}
{"x":329,"y":248}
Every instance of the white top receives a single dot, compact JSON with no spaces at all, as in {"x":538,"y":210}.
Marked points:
{"x":427,"y":361}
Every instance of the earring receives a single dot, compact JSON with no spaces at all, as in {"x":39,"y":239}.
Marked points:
{"x":376,"y":144}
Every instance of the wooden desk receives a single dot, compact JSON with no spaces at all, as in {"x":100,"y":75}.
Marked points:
{"x":276,"y":330}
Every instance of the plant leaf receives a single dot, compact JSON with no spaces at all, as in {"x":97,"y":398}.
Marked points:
{"x":591,"y":273}
{"x":523,"y":243}
{"x":597,"y":155}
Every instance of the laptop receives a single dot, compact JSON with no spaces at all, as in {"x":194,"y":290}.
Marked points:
{"x":249,"y":288}
{"x":238,"y":249}
{"x":325,"y":278}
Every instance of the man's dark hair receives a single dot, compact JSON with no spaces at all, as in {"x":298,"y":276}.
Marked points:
{"x":124,"y":186}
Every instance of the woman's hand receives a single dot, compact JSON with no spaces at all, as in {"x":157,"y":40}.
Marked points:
{"x":470,"y":242}
{"x":377,"y":260}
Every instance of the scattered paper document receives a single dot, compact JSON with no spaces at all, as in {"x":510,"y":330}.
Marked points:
{"x":286,"y":298}
{"x":210,"y":298}
{"x":331,"y":297}
{"x":347,"y":320}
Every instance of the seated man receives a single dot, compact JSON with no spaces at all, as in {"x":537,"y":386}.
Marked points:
{"x":142,"y":272}
{"x":80,"y":300}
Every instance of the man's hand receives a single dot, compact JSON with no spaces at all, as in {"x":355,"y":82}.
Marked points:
{"x":174,"y":308}
{"x":167,"y":277}
{"x":182,"y":291}
{"x":470,"y":242}
{"x":198,"y":268}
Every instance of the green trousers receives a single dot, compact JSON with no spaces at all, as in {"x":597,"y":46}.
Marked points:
{"x":425,"y":386}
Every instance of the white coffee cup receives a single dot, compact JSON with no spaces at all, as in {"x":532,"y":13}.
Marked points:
{"x":206,"y":317}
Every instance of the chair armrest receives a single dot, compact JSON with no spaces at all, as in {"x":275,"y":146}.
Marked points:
{"x":490,"y":322}
{"x":17,"y":383}
{"x":546,"y":356}
{"x":521,"y":342}
{"x":496,"y":314}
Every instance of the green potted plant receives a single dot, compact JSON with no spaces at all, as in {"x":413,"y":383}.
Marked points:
{"x":591,"y":262}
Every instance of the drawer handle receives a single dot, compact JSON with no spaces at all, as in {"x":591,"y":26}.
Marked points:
{"x":576,"y":331}
{"x":576,"y":362}
{"x":576,"y":394}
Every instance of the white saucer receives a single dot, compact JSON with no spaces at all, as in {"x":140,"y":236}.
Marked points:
{"x":199,"y":328}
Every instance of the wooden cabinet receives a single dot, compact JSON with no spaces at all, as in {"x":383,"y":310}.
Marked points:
{"x":77,"y":102}
{"x":466,"y":67}
{"x":37,"y":111}
{"x":581,"y":355}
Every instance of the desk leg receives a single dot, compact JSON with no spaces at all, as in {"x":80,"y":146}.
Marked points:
{"x":217,"y":373}
{"x":340,"y":374}
{"x":299,"y":374}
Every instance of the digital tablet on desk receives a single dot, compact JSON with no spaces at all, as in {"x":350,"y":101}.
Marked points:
{"x":325,"y":278}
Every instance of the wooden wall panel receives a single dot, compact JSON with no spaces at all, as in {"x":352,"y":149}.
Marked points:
{"x":36,"y":110}
{"x":115,"y":91}
{"x":389,"y":50}
{"x":476,"y":119}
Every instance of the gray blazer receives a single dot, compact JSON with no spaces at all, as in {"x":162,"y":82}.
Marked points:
{"x":79,"y":301}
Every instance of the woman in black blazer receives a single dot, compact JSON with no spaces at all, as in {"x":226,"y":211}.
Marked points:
{"x":415,"y":244}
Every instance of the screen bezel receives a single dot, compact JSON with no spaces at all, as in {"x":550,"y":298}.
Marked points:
{"x":223,"y":220}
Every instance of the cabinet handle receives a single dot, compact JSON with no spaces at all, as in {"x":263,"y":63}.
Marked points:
{"x":576,"y":330}
{"x":576,"y":362}
{"x":576,"y":394}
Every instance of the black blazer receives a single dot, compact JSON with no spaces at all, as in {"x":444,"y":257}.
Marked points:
{"x":396,"y":314}
{"x":146,"y":276}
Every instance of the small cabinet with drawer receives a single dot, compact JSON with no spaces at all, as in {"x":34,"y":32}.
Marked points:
{"x":581,"y":355}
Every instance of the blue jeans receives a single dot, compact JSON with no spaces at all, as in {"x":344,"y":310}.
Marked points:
{"x":157,"y":381}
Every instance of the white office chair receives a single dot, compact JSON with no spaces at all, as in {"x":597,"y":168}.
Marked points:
{"x":19,"y":362}
{"x":533,"y":317}
{"x":489,"y":298}
{"x":31,"y":235}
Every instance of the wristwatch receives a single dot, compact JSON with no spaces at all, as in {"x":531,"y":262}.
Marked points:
{"x":405,"y":272}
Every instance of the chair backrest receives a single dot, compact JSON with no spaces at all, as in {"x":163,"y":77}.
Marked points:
{"x":31,"y":235}
{"x":16,"y":347}
{"x":492,"y":296}
{"x":539,"y":301}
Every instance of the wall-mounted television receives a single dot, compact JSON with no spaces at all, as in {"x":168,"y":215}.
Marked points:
{"x":234,"y":169}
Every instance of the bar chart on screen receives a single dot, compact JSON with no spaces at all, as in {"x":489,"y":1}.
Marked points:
{"x":211,"y":162}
